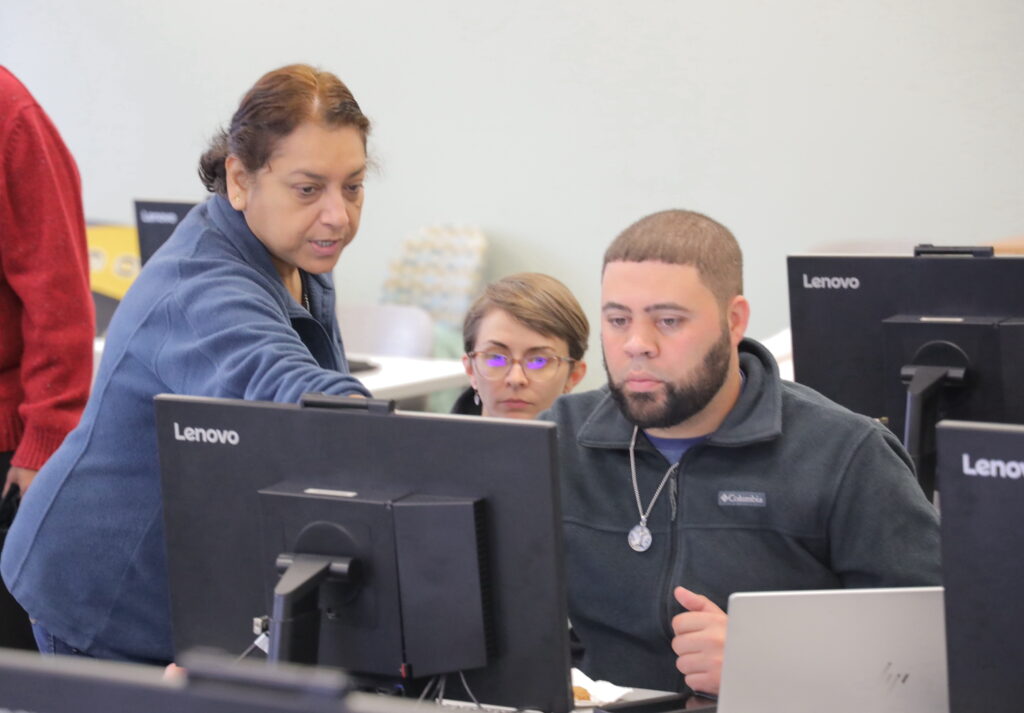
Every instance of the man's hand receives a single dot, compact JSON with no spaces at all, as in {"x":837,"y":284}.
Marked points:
{"x":699,"y":641}
{"x":22,"y":477}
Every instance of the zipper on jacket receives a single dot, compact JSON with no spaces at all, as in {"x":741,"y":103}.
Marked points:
{"x":667,"y":585}
{"x":307,"y":317}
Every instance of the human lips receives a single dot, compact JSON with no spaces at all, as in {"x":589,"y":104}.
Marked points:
{"x":515,"y":404}
{"x":327,"y":247}
{"x":641,"y":382}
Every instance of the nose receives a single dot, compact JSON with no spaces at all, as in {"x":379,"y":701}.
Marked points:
{"x":640,"y":342}
{"x":334,"y":212}
{"x":516,"y":376}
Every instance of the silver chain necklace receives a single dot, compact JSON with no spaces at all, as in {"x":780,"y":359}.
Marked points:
{"x":305,"y":292}
{"x":639,"y":537}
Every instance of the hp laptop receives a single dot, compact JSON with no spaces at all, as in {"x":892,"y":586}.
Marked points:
{"x":841,"y":651}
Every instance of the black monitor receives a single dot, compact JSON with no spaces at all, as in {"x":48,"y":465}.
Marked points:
{"x":398,"y":546}
{"x":104,"y":307}
{"x":981,"y":476}
{"x":72,"y":684}
{"x":155,"y":221}
{"x":912,"y":339}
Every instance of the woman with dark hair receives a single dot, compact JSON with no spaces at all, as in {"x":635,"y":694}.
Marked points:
{"x":239,"y":304}
{"x":525,"y":337}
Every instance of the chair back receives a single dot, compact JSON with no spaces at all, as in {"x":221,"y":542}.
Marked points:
{"x":386,"y":329}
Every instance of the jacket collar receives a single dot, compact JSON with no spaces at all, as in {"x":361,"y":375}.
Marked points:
{"x":756,"y":417}
{"x":231,"y":223}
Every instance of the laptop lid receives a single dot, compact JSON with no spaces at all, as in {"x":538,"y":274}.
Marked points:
{"x":841,"y":650}
{"x":981,"y":475}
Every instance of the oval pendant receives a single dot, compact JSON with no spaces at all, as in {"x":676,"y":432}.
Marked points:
{"x":640,"y":538}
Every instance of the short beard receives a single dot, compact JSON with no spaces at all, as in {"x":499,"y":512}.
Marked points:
{"x":682,"y":399}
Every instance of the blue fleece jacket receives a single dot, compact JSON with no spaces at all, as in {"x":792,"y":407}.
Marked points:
{"x":208,"y":316}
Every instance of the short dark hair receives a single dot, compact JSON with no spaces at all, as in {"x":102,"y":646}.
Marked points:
{"x":683,"y":237}
{"x":538,"y":301}
{"x":273,"y":108}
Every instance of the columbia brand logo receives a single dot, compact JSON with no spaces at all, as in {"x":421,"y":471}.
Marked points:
{"x":195,"y":434}
{"x":993,"y":467}
{"x":742,"y":498}
{"x":820,"y":282}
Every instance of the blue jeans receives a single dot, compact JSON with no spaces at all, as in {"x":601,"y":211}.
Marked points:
{"x":50,"y":645}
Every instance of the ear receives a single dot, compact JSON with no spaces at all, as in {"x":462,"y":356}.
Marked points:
{"x":467,"y":364}
{"x":579,"y":370}
{"x":238,"y":181}
{"x":738,"y":315}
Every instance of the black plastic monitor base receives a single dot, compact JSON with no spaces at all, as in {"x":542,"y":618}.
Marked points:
{"x":925,"y":384}
{"x":295,"y":621}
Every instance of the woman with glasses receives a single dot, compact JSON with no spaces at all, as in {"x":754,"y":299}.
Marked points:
{"x":525,"y":337}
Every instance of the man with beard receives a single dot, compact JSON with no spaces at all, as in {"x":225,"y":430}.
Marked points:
{"x":697,"y":472}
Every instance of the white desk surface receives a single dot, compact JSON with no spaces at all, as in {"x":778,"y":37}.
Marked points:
{"x":394,"y":377}
{"x":405,"y":377}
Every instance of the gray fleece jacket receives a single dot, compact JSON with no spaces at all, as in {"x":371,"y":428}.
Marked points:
{"x":792,"y":492}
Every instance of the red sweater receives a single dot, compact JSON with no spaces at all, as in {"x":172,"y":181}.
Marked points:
{"x":46,"y":309}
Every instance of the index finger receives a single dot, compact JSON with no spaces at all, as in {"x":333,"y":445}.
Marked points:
{"x":689,"y":622}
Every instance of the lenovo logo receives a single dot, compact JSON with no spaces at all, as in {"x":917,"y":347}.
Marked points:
{"x":993,"y":467}
{"x":165,"y":217}
{"x":205,"y":435}
{"x":819,"y":282}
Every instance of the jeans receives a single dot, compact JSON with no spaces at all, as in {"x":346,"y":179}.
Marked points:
{"x":50,"y":645}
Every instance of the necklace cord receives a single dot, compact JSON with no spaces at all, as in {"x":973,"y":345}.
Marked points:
{"x":636,"y":488}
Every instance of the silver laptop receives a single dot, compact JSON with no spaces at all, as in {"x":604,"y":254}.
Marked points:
{"x":840,"y":650}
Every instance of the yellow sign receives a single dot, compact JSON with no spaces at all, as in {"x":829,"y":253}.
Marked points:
{"x":113,"y":258}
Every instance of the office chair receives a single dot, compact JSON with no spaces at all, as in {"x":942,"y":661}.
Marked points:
{"x":386,"y":329}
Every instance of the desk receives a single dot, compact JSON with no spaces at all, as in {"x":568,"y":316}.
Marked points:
{"x":406,"y":377}
{"x":644,"y":700}
{"x":394,"y":378}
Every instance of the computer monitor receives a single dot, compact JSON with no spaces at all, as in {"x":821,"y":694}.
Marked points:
{"x":401,"y":545}
{"x":155,"y":221}
{"x":911,"y":339}
{"x":981,"y":476}
{"x":72,"y":684}
{"x":104,"y":307}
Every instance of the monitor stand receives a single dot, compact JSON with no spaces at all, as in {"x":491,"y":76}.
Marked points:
{"x":926,"y":380}
{"x":295,"y":619}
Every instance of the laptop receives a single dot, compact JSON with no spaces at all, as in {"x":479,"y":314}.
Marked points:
{"x":839,"y":650}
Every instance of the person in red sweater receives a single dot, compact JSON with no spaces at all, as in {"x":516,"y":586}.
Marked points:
{"x":46,"y":309}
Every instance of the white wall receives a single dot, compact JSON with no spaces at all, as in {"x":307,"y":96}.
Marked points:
{"x":553,"y":125}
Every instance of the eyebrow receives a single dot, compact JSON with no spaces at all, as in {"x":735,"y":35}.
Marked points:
{"x":320,"y":177}
{"x":658,"y":307}
{"x":669,"y":306}
{"x":500,"y":345}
